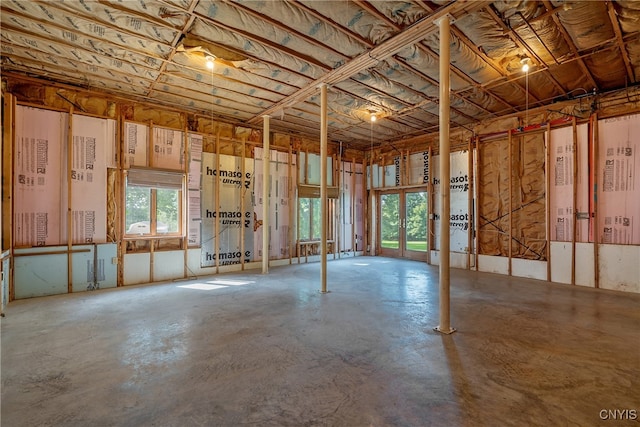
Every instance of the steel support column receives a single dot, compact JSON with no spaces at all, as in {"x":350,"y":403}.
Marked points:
{"x":445,"y":176}
{"x":323,"y":187}
{"x":266,"y":177}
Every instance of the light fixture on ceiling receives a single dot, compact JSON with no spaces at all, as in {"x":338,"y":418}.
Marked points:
{"x":525,"y":64}
{"x":210,"y":59}
{"x":373,"y":114}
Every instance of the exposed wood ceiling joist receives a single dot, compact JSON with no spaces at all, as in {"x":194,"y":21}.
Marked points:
{"x":375,"y":56}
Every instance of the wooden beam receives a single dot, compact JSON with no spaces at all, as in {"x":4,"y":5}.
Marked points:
{"x":7,"y":149}
{"x":339,"y":28}
{"x":613,"y":16}
{"x":288,"y":29}
{"x":412,"y":34}
{"x":265,"y":43}
{"x":518,"y":41}
{"x":430,"y":206}
{"x":184,"y":200}
{"x":510,"y":205}
{"x":515,"y":37}
{"x":242,"y":204}
{"x":353,"y":199}
{"x":571,"y":44}
{"x":174,"y":45}
{"x":216,"y":200}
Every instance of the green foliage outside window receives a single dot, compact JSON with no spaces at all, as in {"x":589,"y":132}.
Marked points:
{"x":415,"y":225}
{"x":389,"y":208}
{"x":416,"y":216}
{"x":309,"y":226}
{"x":138,"y":210}
{"x":167,"y":209}
{"x":138,"y":207}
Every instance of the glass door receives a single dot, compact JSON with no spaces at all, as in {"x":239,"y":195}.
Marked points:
{"x":415,"y":225}
{"x":403,"y":224}
{"x":390,"y":224}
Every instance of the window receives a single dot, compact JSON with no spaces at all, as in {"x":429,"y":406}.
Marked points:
{"x":167,"y":206}
{"x":153,"y":203}
{"x":138,"y":214}
{"x":309,"y":205}
{"x":309,"y":227}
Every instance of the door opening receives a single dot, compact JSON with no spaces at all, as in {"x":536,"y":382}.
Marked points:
{"x":403,"y":224}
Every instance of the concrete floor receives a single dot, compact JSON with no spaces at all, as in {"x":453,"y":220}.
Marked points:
{"x":276,"y":352}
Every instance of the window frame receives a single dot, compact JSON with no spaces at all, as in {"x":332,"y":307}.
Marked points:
{"x":155,"y":180}
{"x":312,"y":208}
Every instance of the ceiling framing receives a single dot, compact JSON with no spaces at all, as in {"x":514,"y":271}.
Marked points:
{"x":377,"y":57}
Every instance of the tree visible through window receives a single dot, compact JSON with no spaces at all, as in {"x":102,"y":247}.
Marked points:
{"x":390,"y":221}
{"x":413,"y":224}
{"x":416,"y":214}
{"x":309,"y":226}
{"x":140,"y":211}
{"x":167,"y":203}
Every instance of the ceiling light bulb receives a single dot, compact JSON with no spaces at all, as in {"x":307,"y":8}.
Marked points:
{"x":209,"y":62}
{"x":373,"y":117}
{"x":525,"y":68}
{"x":525,"y":64}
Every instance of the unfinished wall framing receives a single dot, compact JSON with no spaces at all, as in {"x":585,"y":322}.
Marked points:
{"x":517,"y":177}
{"x":530,"y":196}
{"x":143,"y":137}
